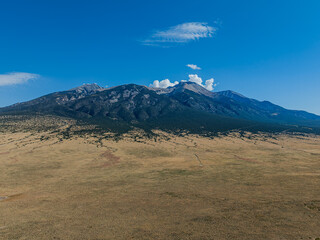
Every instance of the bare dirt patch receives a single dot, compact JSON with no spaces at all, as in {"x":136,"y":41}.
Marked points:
{"x":110,"y":157}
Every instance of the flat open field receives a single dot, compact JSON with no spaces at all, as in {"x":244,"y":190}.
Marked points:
{"x":255,"y":187}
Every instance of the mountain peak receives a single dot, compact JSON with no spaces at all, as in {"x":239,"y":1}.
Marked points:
{"x":183,"y":86}
{"x":133,"y":102}
{"x":88,"y":87}
{"x":192,"y":86}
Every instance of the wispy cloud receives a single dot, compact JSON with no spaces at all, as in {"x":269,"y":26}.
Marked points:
{"x":193,"y":66}
{"x":181,"y":33}
{"x":16,"y":78}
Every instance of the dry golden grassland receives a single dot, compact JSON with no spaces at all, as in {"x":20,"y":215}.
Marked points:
{"x":254,"y":187}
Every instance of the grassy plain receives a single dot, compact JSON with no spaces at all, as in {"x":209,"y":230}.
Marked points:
{"x":84,"y":187}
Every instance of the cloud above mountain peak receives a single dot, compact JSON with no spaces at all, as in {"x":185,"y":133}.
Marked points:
{"x":209,"y":84}
{"x":163,"y":83}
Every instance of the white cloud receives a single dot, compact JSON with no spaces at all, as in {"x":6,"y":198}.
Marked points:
{"x":16,"y":78}
{"x":193,"y":66}
{"x":181,"y":33}
{"x":163,"y":83}
{"x":195,"y":78}
{"x":209,"y":84}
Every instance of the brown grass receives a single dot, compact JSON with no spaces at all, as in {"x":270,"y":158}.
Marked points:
{"x":78,"y":188}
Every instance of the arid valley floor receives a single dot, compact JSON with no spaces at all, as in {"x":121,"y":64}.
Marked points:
{"x":246,"y":187}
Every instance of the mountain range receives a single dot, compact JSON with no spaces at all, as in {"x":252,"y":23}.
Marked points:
{"x":186,"y":106}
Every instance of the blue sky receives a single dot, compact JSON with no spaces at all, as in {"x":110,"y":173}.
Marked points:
{"x":268,"y":50}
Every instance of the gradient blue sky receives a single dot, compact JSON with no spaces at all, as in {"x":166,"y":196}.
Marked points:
{"x":268,"y":50}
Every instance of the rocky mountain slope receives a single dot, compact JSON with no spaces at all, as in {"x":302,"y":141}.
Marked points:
{"x":184,"y":106}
